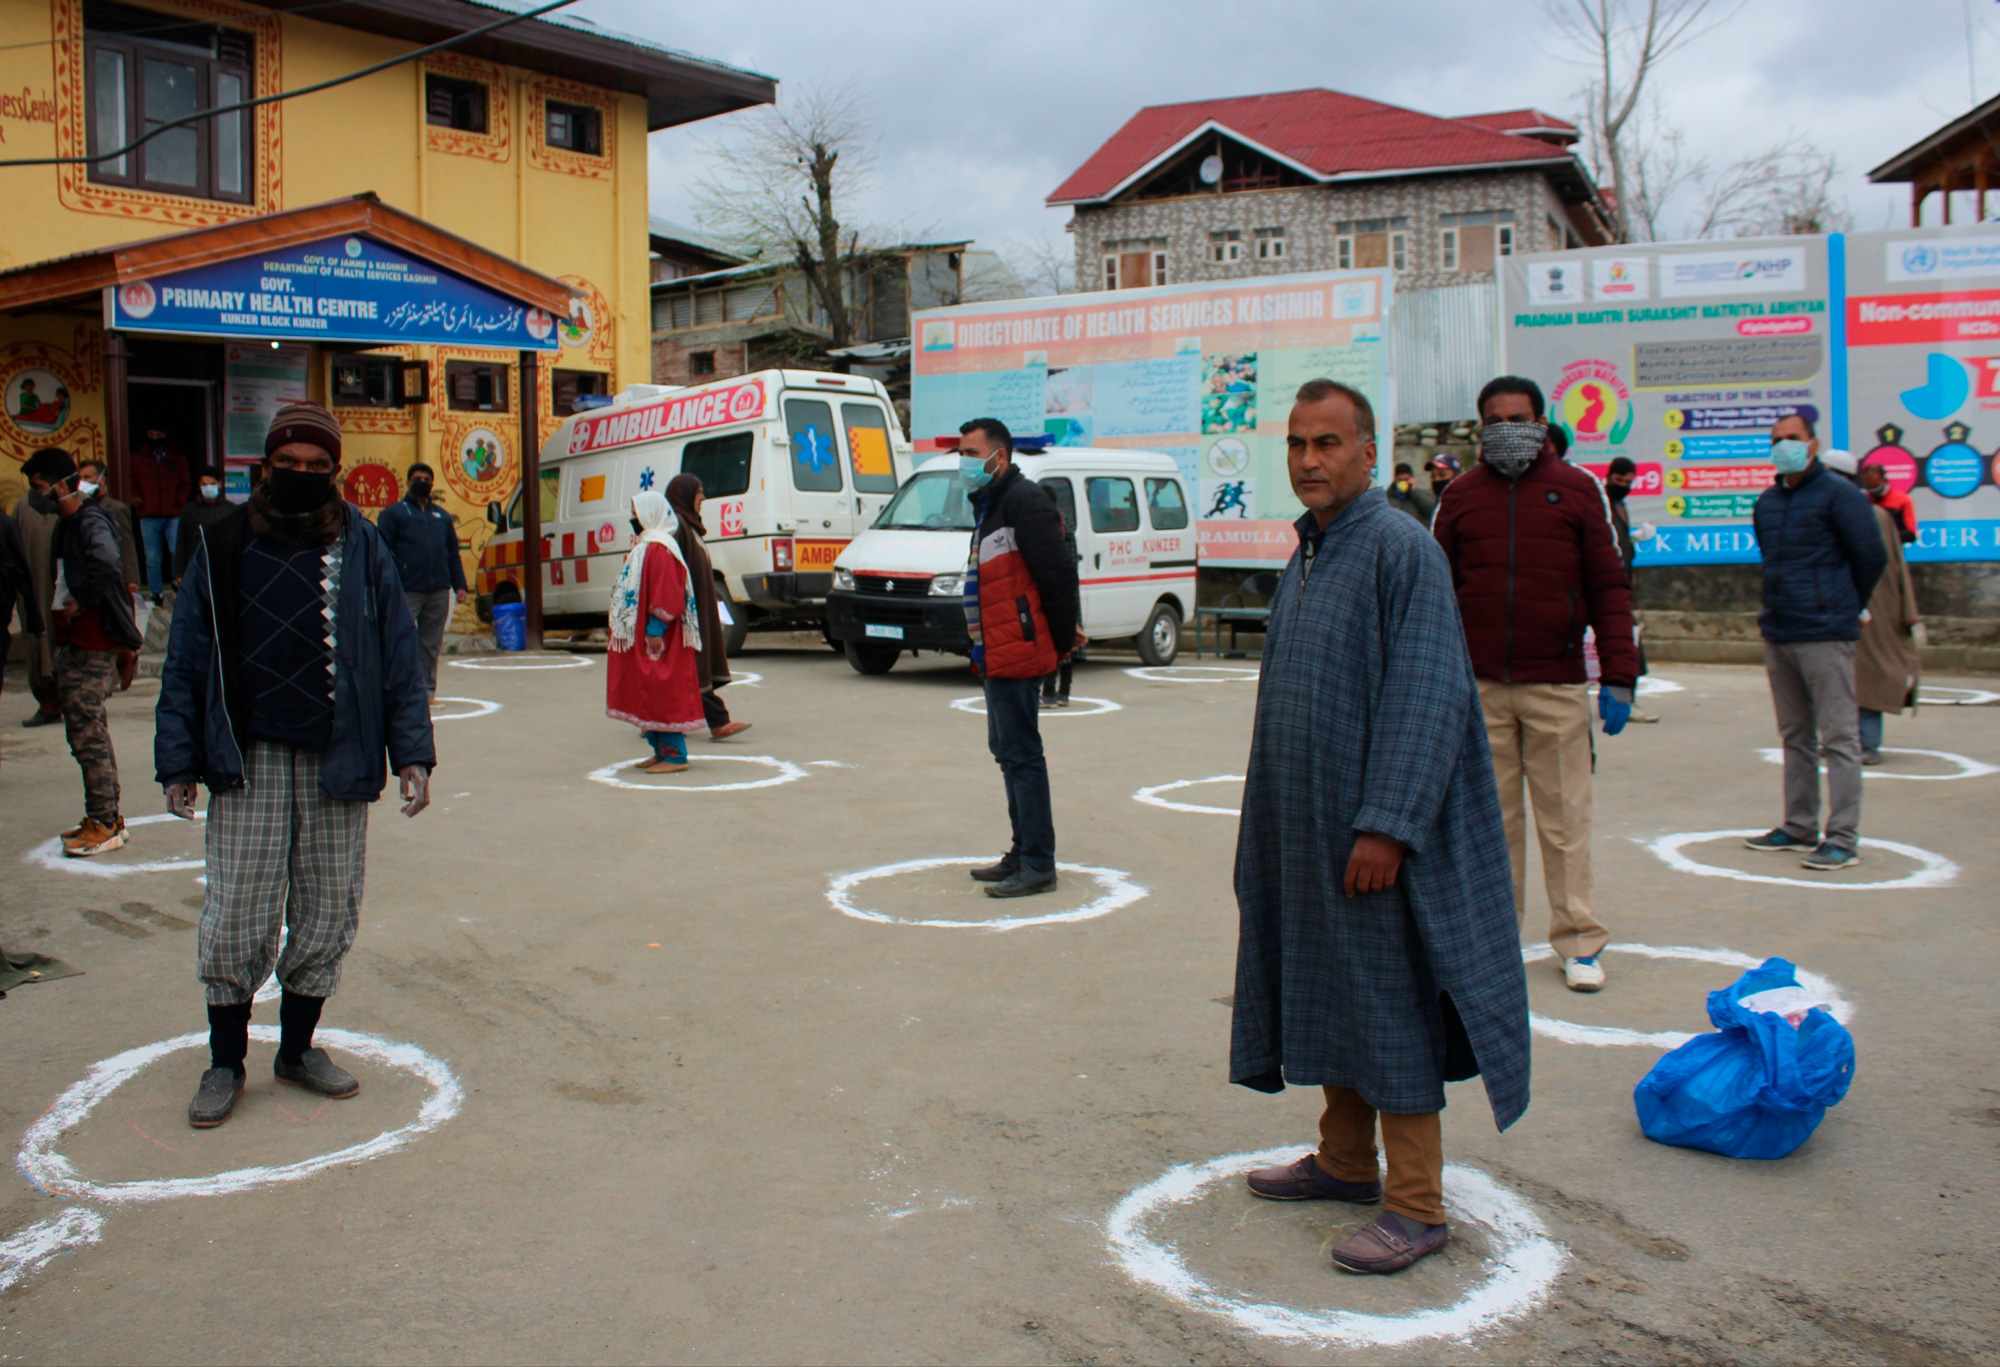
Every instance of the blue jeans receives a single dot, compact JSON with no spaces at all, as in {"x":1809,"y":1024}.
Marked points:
{"x":1871,"y":729}
{"x":670,"y":746}
{"x":162,"y":536}
{"x":1014,"y":735}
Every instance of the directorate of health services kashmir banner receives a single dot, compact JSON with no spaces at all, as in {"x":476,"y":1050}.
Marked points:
{"x":1681,"y":356}
{"x":1204,"y":372}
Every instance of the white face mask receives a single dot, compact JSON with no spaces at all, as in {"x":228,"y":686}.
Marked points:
{"x":211,"y":491}
{"x":86,"y":488}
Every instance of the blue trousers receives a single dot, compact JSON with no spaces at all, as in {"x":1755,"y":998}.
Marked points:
{"x":1014,"y":735}
{"x":671,"y":746}
{"x":162,"y":536}
{"x":1871,"y":729}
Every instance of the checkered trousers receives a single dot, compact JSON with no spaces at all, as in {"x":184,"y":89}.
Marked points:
{"x":281,"y":855}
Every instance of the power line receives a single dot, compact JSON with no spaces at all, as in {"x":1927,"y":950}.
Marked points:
{"x":285,"y":94}
{"x":169,"y":28}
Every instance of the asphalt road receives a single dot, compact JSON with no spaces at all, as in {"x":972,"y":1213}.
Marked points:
{"x":667,"y":1102}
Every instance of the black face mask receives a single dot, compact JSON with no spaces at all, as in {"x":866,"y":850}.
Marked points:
{"x":299,"y":491}
{"x":1617,"y":492}
{"x":420,"y":488}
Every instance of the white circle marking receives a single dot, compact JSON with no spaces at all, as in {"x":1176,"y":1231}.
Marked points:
{"x":530,"y":662}
{"x":49,"y":855}
{"x":1967,"y":766}
{"x":1935,"y":873}
{"x":787,"y":772}
{"x":977,"y":706}
{"x":742,"y":680}
{"x":1526,"y":1260}
{"x":1971,"y":697}
{"x":482,"y":708}
{"x":1119,"y":891}
{"x":1152,"y":796}
{"x":1199,"y":674}
{"x":1570,"y":1032}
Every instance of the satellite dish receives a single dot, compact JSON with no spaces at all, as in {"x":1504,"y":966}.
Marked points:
{"x":1211,"y":169}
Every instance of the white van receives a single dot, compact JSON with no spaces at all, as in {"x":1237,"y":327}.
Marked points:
{"x":898,"y":586}
{"x":793,"y":464}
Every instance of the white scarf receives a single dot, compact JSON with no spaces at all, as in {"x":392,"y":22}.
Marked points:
{"x":657,"y":525}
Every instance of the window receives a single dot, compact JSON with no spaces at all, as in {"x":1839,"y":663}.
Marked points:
{"x":1399,"y":251}
{"x":1481,"y":237}
{"x":1114,"y":507}
{"x":452,"y":103}
{"x":1063,"y":494}
{"x":1448,"y":241}
{"x":1343,"y":253}
{"x":1504,"y":233}
{"x":868,"y":448}
{"x":143,"y":73}
{"x":933,"y":501}
{"x":722,"y":464}
{"x":1555,"y":236}
{"x":475,"y":387}
{"x":1111,"y":272}
{"x":577,"y":127}
{"x":1159,"y":268}
{"x":1364,"y":243}
{"x":1135,"y":263}
{"x":567,"y":386}
{"x":364,"y":381}
{"x":701,"y":363}
{"x":1225,"y":246}
{"x":815,"y":449}
{"x":1270,"y":244}
{"x":1166,"y":506}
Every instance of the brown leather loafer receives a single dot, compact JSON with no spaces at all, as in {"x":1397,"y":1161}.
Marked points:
{"x":1385,"y":1246}
{"x":1305,"y":1180}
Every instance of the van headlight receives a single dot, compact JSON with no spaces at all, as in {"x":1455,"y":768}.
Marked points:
{"x":843,"y":579}
{"x":946,"y":585}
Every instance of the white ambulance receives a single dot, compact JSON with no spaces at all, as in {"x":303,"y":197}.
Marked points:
{"x":793,"y":464}
{"x":898,"y":587}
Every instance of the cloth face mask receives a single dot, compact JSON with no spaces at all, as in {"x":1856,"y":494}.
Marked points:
{"x":1790,"y":456}
{"x":1511,"y":447}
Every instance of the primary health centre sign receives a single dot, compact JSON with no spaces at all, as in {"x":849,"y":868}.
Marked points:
{"x":345,"y":289}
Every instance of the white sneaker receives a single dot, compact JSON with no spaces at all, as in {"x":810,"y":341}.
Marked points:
{"x":1583,"y":975}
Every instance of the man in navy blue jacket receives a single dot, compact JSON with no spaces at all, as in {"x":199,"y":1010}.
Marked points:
{"x":424,"y":540}
{"x":1822,"y":555}
{"x":291,"y":670}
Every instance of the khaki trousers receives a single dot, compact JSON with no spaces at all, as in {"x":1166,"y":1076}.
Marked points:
{"x":1541,"y":733}
{"x":1414,"y":1144}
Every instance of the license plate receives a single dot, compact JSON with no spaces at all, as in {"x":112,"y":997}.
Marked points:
{"x":886,"y":633}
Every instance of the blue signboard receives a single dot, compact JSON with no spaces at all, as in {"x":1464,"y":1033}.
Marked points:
{"x":345,"y":289}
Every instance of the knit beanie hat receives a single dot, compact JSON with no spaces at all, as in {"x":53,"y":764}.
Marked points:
{"x":304,"y":421}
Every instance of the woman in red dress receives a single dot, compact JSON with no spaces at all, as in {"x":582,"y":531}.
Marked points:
{"x":655,"y":634}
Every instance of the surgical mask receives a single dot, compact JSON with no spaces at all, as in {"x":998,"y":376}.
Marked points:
{"x":211,"y":492}
{"x":1511,"y":447}
{"x":293,"y":492}
{"x":972,"y":469}
{"x":1790,"y":456}
{"x":87,"y":489}
{"x":1878,"y":493}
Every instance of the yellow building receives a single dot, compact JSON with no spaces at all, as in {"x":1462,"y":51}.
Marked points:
{"x":397,"y":247}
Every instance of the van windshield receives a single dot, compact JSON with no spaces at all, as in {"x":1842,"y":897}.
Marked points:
{"x":932,"y":501}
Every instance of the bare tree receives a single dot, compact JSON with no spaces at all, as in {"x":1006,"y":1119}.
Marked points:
{"x":1622,"y":41}
{"x":1044,"y":267}
{"x":780,"y":191}
{"x":1785,"y":189}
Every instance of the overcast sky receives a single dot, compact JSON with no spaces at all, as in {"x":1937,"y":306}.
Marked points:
{"x":983,"y":107}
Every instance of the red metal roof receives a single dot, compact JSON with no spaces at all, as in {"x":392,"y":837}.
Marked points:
{"x":1324,"y":133}
{"x":1521,"y":121}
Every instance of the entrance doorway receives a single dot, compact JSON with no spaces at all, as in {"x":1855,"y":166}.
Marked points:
{"x":183,"y":410}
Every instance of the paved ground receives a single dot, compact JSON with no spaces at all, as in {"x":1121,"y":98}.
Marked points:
{"x":707,"y":1117}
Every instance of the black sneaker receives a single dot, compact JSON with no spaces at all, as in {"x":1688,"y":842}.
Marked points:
{"x":39,"y":718}
{"x":994,"y":873}
{"x":1777,"y":841}
{"x":1024,"y":883}
{"x":317,"y":1073}
{"x":215,"y":1098}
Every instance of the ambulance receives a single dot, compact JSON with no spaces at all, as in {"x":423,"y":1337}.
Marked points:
{"x":899,"y":586}
{"x":793,"y":464}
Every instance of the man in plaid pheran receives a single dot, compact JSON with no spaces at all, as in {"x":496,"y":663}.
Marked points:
{"x":1378,"y":956}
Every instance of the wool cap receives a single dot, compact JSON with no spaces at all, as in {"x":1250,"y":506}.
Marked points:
{"x":307,"y":422}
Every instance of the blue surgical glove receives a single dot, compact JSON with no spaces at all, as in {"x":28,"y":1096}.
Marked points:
{"x":655,"y":627}
{"x":1615,"y":706}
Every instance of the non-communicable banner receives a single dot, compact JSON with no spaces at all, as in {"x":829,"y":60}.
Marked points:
{"x":343,"y":289}
{"x":685,"y":411}
{"x":1203,"y":372}
{"x":1679,"y":357}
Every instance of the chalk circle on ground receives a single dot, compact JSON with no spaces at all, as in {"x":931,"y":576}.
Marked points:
{"x":1570,"y":1032}
{"x":1650,"y":686}
{"x":44,"y":1165}
{"x":784,"y":772}
{"x":49,"y":855}
{"x":1116,"y":891}
{"x":1197,"y":674}
{"x":742,"y":680}
{"x":1525,"y":1260}
{"x":526,"y":662}
{"x":977,"y":706}
{"x":480,"y":708}
{"x":1156,"y":796}
{"x":1968,"y":767}
{"x":1936,"y":870}
{"x":1931,"y":695}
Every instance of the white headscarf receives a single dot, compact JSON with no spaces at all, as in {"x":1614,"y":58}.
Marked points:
{"x":657,"y":525}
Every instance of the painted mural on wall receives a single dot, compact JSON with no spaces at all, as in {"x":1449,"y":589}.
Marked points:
{"x":51,"y":394}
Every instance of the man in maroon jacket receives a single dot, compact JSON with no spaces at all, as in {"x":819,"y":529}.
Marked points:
{"x":1534,"y":559}
{"x":161,"y":488}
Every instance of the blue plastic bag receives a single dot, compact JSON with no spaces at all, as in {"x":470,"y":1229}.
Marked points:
{"x":510,"y":626}
{"x":1758,"y":1087}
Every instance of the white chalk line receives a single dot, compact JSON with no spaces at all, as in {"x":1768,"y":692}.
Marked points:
{"x":1571,"y":1032}
{"x":1154,"y":796}
{"x":1118,"y":892}
{"x":1967,"y":766}
{"x":1650,"y":686}
{"x":1937,"y":871}
{"x":49,"y":854}
{"x":527,"y":662}
{"x":977,"y":706}
{"x":482,"y":707}
{"x":788,"y":772}
{"x":55,"y":1174}
{"x":742,"y":680}
{"x":1526,"y":1260}
{"x":1195,"y":674}
{"x":1927,"y":696}
{"x":30,"y":1251}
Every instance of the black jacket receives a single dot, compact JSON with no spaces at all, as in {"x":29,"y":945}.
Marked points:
{"x":16,"y":581}
{"x":198,"y":513}
{"x":86,"y":546}
{"x":1045,"y":547}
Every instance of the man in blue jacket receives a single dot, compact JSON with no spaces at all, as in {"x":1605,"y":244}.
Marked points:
{"x":1822,"y":555}
{"x":291,"y":669}
{"x":424,"y":539}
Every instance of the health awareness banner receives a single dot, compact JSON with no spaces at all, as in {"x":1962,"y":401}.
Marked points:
{"x":1203,"y":372}
{"x":343,"y":289}
{"x":1680,"y":356}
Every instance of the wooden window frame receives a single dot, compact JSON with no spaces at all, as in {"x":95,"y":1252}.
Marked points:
{"x":499,"y":378}
{"x":581,"y":119}
{"x":212,"y":70}
{"x":438,"y":83}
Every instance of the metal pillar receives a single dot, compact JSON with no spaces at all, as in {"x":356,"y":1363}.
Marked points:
{"x":117,"y":416}
{"x":531,"y":498}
